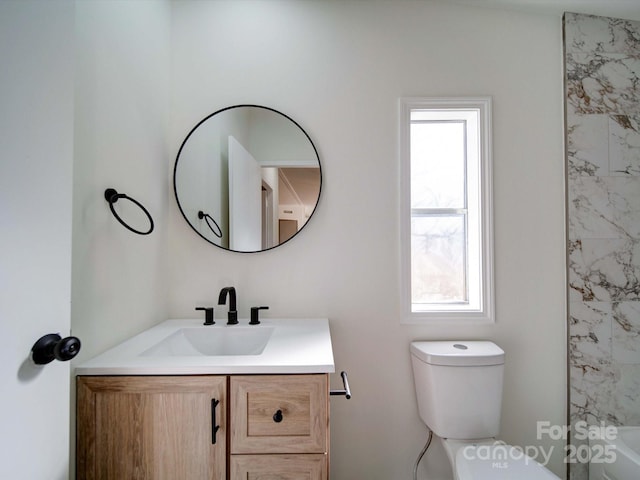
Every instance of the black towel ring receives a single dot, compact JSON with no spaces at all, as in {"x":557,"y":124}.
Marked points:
{"x":112,"y":196}
{"x":206,"y":217}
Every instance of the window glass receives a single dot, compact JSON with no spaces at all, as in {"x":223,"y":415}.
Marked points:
{"x":438,"y":257}
{"x":437,"y":164}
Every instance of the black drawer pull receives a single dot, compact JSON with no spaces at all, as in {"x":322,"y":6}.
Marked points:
{"x":277,"y":417}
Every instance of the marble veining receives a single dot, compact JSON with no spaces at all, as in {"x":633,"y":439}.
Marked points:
{"x":587,"y":145}
{"x":593,"y":34}
{"x":604,"y":207}
{"x":603,"y":83}
{"x":605,"y":269}
{"x":626,"y":333}
{"x":624,"y":145}
{"x":602,"y":86}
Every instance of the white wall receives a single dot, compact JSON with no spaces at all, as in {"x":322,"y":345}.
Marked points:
{"x":338,"y":69}
{"x":121,"y":119}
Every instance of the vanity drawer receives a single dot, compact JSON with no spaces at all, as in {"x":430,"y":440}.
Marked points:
{"x":279,"y":414}
{"x":311,"y":466}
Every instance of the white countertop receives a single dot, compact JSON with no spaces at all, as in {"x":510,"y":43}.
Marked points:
{"x":295,"y":346}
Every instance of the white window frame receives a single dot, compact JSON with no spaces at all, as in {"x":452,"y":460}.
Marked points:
{"x":485,"y":312}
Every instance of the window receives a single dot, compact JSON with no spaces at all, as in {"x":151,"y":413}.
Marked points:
{"x":447,"y":245}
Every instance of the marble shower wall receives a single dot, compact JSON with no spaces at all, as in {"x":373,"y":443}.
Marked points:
{"x":602,"y":87}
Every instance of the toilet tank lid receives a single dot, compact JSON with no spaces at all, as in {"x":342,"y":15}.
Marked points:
{"x":458,"y":352}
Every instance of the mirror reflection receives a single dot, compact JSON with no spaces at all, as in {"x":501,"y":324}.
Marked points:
{"x":247,"y":178}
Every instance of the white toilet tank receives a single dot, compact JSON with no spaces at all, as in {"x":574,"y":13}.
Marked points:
{"x":459,"y":387}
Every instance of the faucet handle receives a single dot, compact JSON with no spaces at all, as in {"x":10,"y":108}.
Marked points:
{"x":254,"y":315}
{"x":208,"y":315}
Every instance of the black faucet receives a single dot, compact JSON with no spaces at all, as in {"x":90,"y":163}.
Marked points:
{"x":232,"y":316}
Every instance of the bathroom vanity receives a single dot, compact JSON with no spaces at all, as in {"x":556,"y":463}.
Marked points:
{"x":145,"y":412}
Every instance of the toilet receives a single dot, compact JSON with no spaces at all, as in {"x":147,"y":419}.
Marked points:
{"x":459,"y":390}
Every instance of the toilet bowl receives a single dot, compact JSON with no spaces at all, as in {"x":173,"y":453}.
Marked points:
{"x":492,"y":459}
{"x":459,"y":391}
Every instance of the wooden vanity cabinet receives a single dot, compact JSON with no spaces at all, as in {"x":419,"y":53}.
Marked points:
{"x":151,"y":428}
{"x":274,"y":427}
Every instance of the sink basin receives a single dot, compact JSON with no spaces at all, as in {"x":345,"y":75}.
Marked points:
{"x":212,"y":341}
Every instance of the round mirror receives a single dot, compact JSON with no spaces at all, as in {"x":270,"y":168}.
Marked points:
{"x":247,"y":178}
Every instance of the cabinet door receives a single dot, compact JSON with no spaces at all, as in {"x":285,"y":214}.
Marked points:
{"x":145,"y":428}
{"x":278,"y":467}
{"x":279,"y":414}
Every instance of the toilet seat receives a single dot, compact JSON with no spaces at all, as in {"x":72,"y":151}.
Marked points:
{"x":498,"y":461}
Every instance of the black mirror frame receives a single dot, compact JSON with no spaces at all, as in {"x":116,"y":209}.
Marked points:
{"x":175,"y":168}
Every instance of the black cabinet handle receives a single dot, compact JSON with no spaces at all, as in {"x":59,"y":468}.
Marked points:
{"x":214,"y":427}
{"x":277,"y":417}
